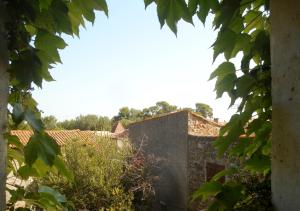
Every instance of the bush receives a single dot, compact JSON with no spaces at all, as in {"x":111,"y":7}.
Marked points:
{"x":138,"y":179}
{"x":97,"y":169}
{"x":105,"y":177}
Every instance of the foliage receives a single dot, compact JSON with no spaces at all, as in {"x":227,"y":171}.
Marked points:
{"x":33,"y":34}
{"x":105,"y":176}
{"x":50,"y":122}
{"x":36,"y":165}
{"x":87,"y":122}
{"x":139,"y":178}
{"x":128,"y":115}
{"x":204,"y":109}
{"x":243,"y":29}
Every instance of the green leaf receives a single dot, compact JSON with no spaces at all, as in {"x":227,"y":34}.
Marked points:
{"x":49,"y":43}
{"x":102,"y":5}
{"x":148,"y":2}
{"x":240,"y":147}
{"x":226,"y":68}
{"x":261,"y":47}
{"x":27,"y":171}
{"x":75,"y":19}
{"x":86,"y":9}
{"x":18,"y":113}
{"x":58,"y":196}
{"x":259,"y":163}
{"x":229,"y":134}
{"x":48,"y":148}
{"x":60,"y":13}
{"x":266,"y":149}
{"x":22,"y":209}
{"x":206,"y":190}
{"x":237,"y":24}
{"x":162,"y":10}
{"x":31,"y":151}
{"x":243,"y":43}
{"x":26,"y":69}
{"x":14,"y":141}
{"x":225,"y":84}
{"x":225,"y":43}
{"x":244,"y":84}
{"x":33,"y":120}
{"x":226,"y":12}
{"x":16,"y":155}
{"x":183,"y":11}
{"x":223,"y":173}
{"x":253,"y":20}
{"x":45,"y":66}
{"x":255,"y":125}
{"x":193,"y":5}
{"x":203,"y":11}
{"x":231,"y":193}
{"x":41,"y":167}
{"x":172,"y":17}
{"x":44,"y":4}
{"x":43,"y":146}
{"x":171,"y":11}
{"x":62,"y":168}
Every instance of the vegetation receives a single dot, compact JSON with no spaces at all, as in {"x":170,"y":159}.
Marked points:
{"x":126,"y":116}
{"x":204,"y":109}
{"x":30,"y":38}
{"x":243,"y":29}
{"x":104,"y":177}
{"x":87,"y":122}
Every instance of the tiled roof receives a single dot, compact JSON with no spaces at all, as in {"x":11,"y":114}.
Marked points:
{"x":61,"y":136}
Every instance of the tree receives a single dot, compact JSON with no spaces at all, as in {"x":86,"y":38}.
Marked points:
{"x":30,"y":37}
{"x":50,"y":122}
{"x":204,"y":109}
{"x":87,"y":122}
{"x":161,"y":107}
{"x":128,"y":115}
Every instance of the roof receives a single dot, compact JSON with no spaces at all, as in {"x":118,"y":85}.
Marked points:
{"x":180,"y":111}
{"x":118,"y":128}
{"x":197,"y":125}
{"x":61,"y":136}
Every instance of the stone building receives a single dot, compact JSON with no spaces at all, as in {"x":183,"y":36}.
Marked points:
{"x":182,"y":142}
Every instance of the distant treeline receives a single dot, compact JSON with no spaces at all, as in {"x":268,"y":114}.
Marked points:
{"x":126,"y":116}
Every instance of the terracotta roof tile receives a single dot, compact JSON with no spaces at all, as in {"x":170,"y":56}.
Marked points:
{"x":61,"y":136}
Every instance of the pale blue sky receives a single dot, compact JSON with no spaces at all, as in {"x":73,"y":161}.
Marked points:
{"x":127,"y":60}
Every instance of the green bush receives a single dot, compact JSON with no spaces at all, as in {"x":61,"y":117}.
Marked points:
{"x":106,"y":177}
{"x":98,"y":168}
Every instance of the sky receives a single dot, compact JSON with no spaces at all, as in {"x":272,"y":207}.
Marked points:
{"x":128,"y":60}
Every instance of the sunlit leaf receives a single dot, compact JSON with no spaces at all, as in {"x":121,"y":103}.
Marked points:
{"x":208,"y":189}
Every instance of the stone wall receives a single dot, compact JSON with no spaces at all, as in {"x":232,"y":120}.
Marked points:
{"x":165,"y":137}
{"x":182,"y":142}
{"x":200,"y":154}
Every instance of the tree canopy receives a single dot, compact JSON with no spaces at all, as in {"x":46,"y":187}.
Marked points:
{"x":128,"y":115}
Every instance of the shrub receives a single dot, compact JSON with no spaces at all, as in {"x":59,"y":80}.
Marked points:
{"x":98,"y":169}
{"x":138,"y":179}
{"x":105,"y":177}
